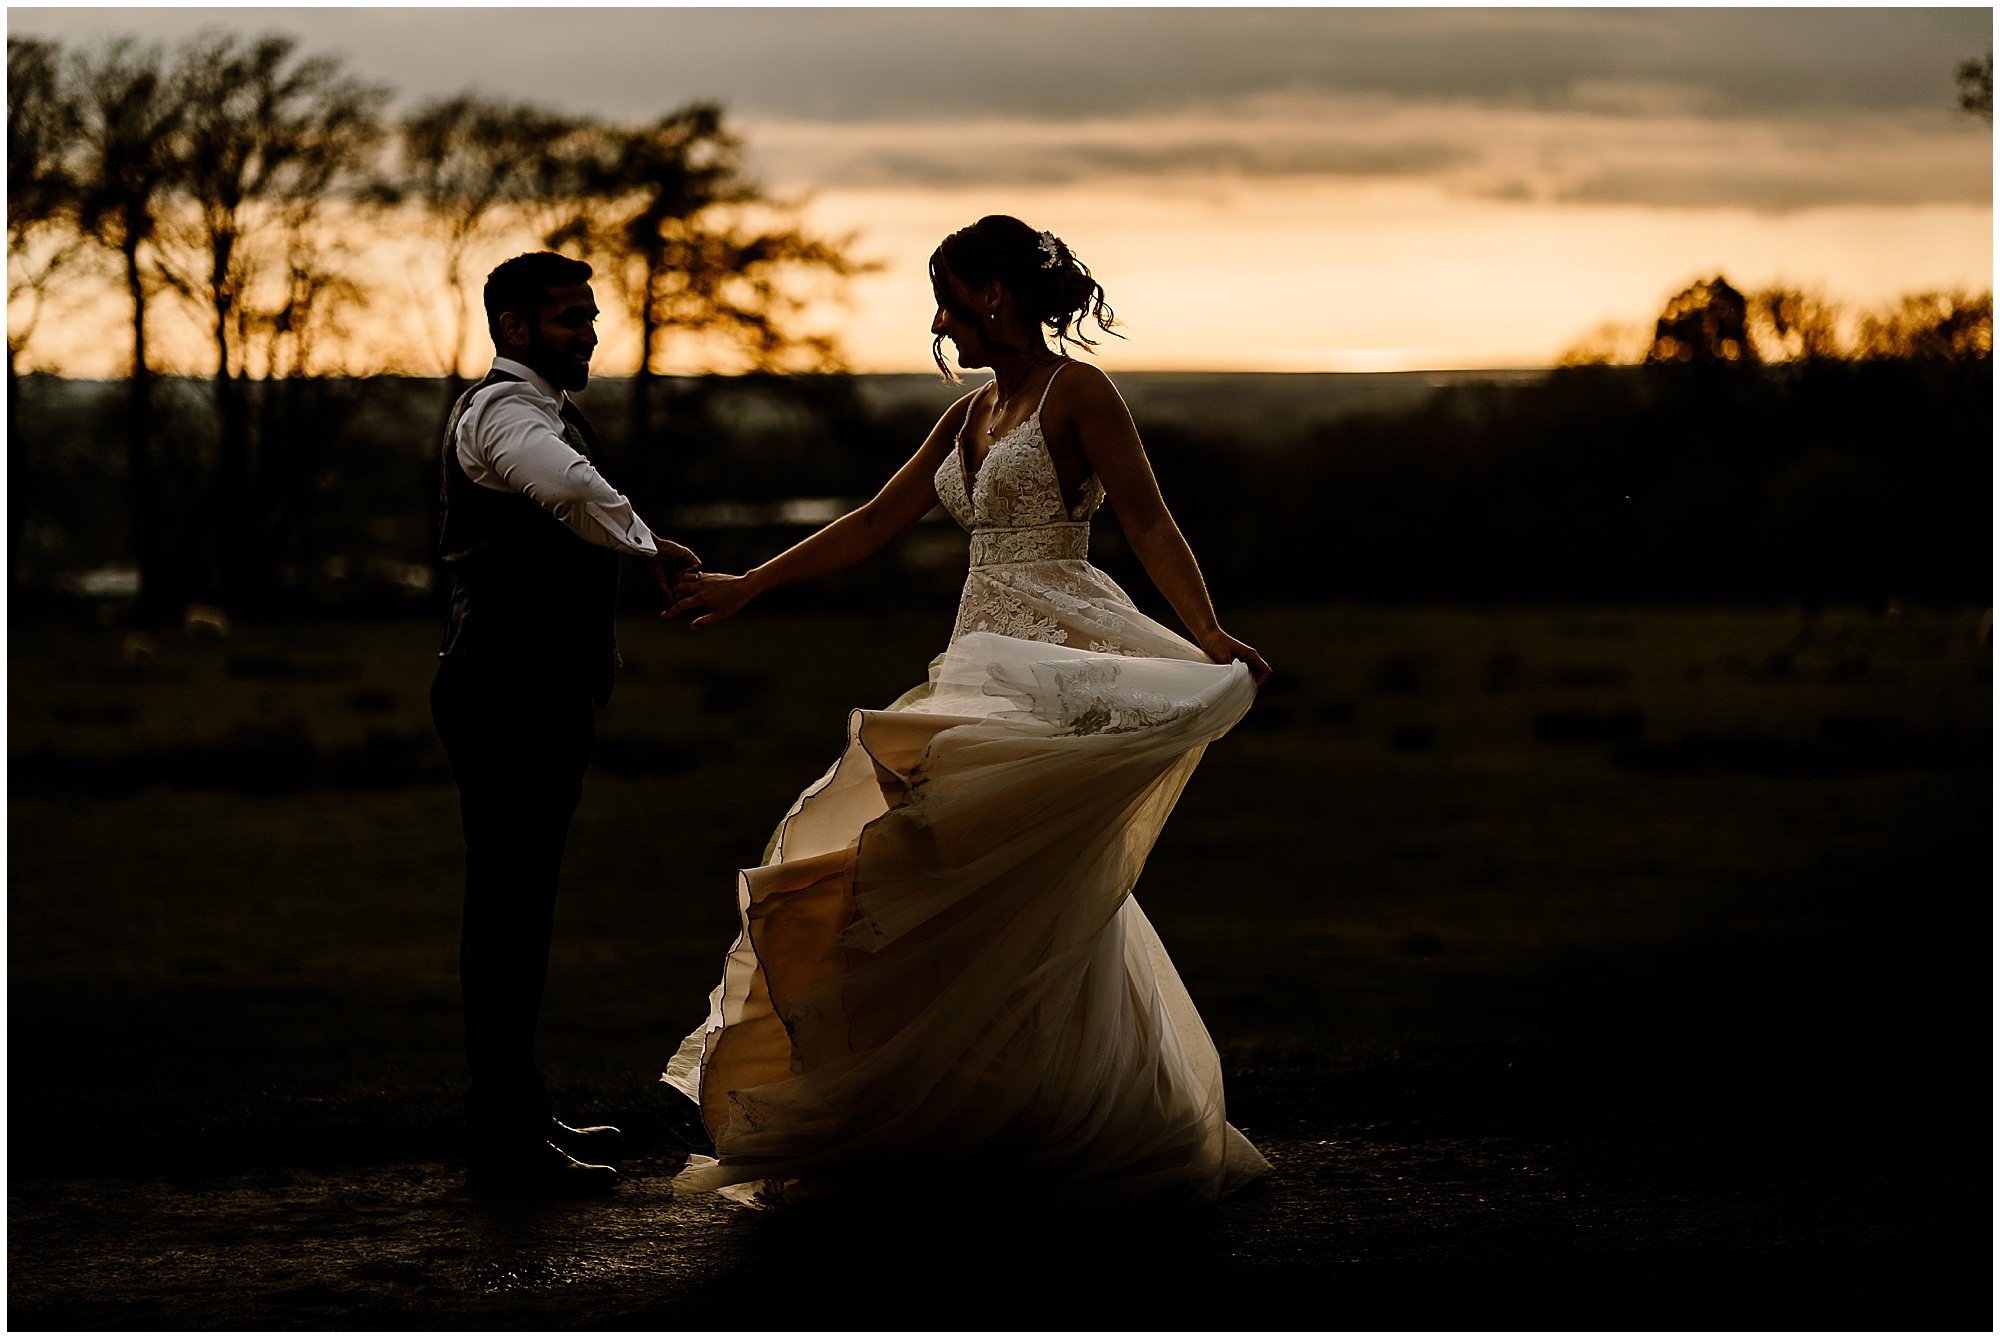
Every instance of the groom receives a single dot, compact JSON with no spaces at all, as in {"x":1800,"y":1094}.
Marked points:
{"x":531,"y":534}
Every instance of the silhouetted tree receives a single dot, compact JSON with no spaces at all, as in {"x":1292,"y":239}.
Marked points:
{"x":666,"y":212}
{"x":1611,"y":342}
{"x":1949,"y":326}
{"x":267,"y":141}
{"x":128,"y":109}
{"x":472,"y":165}
{"x":1706,"y":324}
{"x":1975,"y":86}
{"x":1790,"y":324}
{"x":42,"y":130}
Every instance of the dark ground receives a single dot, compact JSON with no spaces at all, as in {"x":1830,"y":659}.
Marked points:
{"x":1610,"y":968}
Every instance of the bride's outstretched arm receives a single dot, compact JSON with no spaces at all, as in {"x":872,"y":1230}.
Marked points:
{"x":859,"y":534}
{"x":1110,"y":441}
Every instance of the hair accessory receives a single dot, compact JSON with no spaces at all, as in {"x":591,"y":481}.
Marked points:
{"x":1049,"y":249}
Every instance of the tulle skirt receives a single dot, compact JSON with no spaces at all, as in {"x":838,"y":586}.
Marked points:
{"x":941,"y":971}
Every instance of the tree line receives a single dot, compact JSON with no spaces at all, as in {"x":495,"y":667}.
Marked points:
{"x":1767,"y":444}
{"x":226,"y":177}
{"x":1761,"y":446}
{"x":1711,"y":321}
{"x":1815,"y":478}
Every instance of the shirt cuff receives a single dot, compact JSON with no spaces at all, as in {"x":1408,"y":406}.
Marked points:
{"x":632,"y":535}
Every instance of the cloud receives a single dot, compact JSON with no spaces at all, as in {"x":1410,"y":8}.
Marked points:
{"x":1669,"y":158}
{"x":1768,"y":109}
{"x":946,"y":163}
{"x":971,"y":64}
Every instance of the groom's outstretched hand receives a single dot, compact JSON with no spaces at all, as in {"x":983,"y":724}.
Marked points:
{"x":670,"y":564}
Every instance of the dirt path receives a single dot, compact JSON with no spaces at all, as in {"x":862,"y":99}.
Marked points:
{"x":1364,"y":1228}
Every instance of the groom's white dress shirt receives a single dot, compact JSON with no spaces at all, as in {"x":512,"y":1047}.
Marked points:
{"x":512,"y":439}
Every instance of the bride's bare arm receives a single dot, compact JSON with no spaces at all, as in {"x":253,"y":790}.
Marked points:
{"x":1110,"y":441}
{"x":859,"y":534}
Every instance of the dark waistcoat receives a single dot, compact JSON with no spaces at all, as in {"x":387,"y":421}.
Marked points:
{"x":528,"y":594}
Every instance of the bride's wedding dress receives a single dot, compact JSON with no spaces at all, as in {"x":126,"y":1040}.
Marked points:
{"x":941,"y":968}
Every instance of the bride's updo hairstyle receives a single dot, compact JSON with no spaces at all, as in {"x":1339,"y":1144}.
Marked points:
{"x":1051,"y":285}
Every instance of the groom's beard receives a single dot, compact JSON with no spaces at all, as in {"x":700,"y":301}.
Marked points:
{"x":563,"y":370}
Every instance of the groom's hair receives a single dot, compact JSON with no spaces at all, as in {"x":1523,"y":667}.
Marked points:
{"x":522,"y":285}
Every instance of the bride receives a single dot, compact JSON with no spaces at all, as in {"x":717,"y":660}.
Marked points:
{"x":941,"y":969}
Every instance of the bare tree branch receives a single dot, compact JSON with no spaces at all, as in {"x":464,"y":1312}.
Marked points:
{"x":1975,"y":86}
{"x":664,"y":210}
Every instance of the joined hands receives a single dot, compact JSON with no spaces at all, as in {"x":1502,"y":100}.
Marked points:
{"x":676,"y":570}
{"x":718,"y":592}
{"x":670,"y":564}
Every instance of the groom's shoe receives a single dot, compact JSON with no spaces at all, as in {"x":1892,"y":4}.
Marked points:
{"x":592,"y":1143}
{"x":535,"y":1170}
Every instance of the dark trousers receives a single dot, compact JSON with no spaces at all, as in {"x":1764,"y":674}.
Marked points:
{"x":518,"y":743}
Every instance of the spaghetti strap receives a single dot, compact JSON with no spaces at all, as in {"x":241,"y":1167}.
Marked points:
{"x":1045,"y":389}
{"x":965,"y":475}
{"x":958,"y":438}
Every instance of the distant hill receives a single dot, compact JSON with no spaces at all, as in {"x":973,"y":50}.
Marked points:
{"x":1259,"y":409}
{"x":1825,"y":479}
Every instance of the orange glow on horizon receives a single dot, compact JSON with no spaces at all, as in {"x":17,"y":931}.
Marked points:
{"x":1206,"y":274}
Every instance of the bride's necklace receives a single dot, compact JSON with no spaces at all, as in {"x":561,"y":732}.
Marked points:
{"x":1002,"y":403}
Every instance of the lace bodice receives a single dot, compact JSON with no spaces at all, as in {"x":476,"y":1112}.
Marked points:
{"x":1015,"y":494}
{"x":1030,"y":575}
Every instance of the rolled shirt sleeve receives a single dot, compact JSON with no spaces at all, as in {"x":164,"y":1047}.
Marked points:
{"x":511,"y":440}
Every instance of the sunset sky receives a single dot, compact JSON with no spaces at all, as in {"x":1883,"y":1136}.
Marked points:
{"x":1279,"y":189}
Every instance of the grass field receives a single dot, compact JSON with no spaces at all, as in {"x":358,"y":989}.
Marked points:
{"x":1694,"y":899}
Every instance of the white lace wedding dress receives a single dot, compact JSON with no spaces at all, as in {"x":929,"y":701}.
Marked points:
{"x":941,"y":969}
